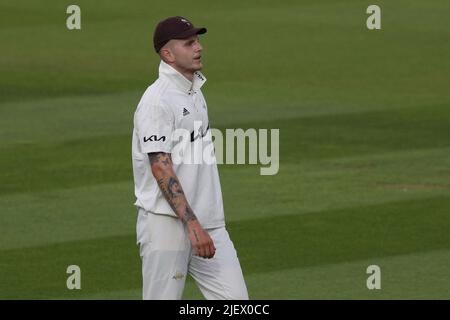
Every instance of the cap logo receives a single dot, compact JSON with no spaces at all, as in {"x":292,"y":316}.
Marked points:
{"x":185,"y":21}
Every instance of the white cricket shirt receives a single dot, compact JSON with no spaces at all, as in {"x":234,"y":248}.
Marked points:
{"x":170,"y":105}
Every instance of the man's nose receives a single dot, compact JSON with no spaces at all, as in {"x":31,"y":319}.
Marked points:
{"x":199,"y":47}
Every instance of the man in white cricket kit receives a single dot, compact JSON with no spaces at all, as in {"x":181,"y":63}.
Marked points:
{"x":180,"y":225}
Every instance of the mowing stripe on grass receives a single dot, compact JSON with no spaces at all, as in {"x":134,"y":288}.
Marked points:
{"x":263,"y":245}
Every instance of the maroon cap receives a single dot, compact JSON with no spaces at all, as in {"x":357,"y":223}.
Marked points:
{"x":174,"y":28}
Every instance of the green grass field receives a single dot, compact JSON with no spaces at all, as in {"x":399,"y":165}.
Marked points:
{"x":364,"y":119}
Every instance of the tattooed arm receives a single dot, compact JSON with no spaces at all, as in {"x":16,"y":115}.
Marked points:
{"x":162,"y":169}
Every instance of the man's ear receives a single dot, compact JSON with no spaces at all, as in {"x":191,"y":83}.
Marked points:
{"x":166,"y":55}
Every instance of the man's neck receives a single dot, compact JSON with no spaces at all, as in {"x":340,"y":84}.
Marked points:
{"x":187,"y":74}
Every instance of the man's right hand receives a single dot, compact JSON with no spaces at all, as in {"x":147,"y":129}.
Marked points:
{"x":202,"y":243}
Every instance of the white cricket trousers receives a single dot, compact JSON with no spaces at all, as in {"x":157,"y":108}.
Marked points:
{"x":167,"y":257}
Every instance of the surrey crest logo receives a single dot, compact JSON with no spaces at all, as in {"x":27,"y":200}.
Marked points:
{"x":187,"y":22}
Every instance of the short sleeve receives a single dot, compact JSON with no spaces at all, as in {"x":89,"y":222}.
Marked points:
{"x":154,"y":125}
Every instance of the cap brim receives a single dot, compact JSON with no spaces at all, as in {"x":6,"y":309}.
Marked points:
{"x":191,"y":32}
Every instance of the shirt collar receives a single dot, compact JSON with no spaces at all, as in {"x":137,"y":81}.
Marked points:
{"x":180,"y":81}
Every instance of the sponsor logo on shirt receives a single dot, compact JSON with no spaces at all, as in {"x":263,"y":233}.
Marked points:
{"x":200,"y":133}
{"x":185,"y":112}
{"x":199,"y":76}
{"x":154,"y":137}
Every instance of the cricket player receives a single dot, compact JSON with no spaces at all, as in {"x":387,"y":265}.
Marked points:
{"x":180,"y":224}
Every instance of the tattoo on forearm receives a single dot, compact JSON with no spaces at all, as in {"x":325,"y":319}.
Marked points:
{"x":167,"y":160}
{"x":162,"y":157}
{"x":172,"y":191}
{"x":174,"y":187}
{"x":195,"y":234}
{"x":188,"y":214}
{"x":163,"y":186}
{"x":154,"y":157}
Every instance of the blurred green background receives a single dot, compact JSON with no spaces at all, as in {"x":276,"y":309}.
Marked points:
{"x":364,"y":119}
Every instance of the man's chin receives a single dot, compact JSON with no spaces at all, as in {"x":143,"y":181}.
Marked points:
{"x":197,"y":67}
